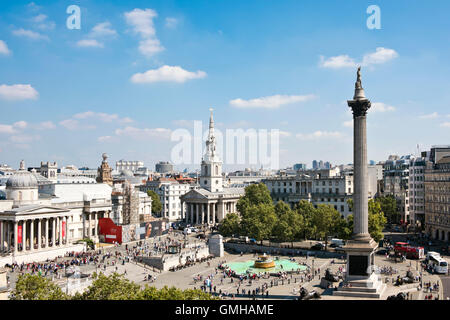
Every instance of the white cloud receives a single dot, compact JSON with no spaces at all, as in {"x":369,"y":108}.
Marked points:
{"x":70,"y":124}
{"x":150,"y":47}
{"x":381,"y":107}
{"x":102,"y":30}
{"x":167,"y":74}
{"x":320,"y":135}
{"x":142,"y":23}
{"x":18,"y":92}
{"x":101,"y":116}
{"x":433,"y":115}
{"x":45,"y":125}
{"x":14,"y":128}
{"x":171,"y":23}
{"x":380,"y":56}
{"x":43,"y":23}
{"x":6,"y":128}
{"x":137,"y":133}
{"x":445,"y":124}
{"x":40,"y":18}
{"x":343,"y":61}
{"x":4,"y":48}
{"x":30,"y":34}
{"x":270,"y":102}
{"x":20,"y":124}
{"x":89,"y":43}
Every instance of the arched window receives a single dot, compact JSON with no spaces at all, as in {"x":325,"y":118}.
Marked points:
{"x":217,"y":170}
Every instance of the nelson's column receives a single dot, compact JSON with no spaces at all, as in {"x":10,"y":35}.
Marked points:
{"x":362,"y":280}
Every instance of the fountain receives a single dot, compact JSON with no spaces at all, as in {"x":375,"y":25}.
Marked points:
{"x":264,"y":262}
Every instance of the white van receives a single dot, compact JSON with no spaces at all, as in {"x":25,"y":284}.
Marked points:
{"x":337,"y":243}
{"x":432,"y":254}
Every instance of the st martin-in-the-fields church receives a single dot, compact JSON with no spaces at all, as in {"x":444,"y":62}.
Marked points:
{"x":209,"y":204}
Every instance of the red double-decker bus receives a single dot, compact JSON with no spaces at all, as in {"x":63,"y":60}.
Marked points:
{"x":409,"y":251}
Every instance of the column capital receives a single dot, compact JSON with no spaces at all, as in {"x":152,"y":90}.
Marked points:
{"x":359,"y":107}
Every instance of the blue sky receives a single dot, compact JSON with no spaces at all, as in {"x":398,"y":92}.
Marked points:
{"x":138,"y":70}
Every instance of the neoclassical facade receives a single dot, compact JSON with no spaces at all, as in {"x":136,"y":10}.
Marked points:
{"x":209,"y":204}
{"x":41,"y":219}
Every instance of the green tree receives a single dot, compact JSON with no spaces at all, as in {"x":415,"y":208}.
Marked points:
{"x":259,"y":221}
{"x":230,"y":225}
{"x":255,"y":194}
{"x":36,"y":287}
{"x":289,"y":225}
{"x":389,"y":207}
{"x":325,"y":219}
{"x":113,"y":287}
{"x":156,"y":202}
{"x":306,"y":210}
{"x":166,"y":293}
{"x":376,"y":222}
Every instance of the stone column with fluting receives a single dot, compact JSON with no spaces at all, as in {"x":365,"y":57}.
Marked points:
{"x":197,"y":219}
{"x":16,"y":232}
{"x":39,"y":236}
{"x":360,"y":104}
{"x":53,"y":232}
{"x":203,"y":213}
{"x":46,"y":233}
{"x":32,"y":234}
{"x":24,"y":235}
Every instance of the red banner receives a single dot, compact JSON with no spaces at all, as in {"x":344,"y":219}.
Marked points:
{"x":63,"y":229}
{"x":19,"y":234}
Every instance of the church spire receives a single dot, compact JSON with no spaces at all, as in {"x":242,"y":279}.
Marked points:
{"x":211,"y":142}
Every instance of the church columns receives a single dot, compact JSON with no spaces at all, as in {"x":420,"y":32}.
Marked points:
{"x":208,"y":213}
{"x":203,"y":213}
{"x":58,"y":219}
{"x":213,"y":213}
{"x":46,"y":233}
{"x":16,"y":232}
{"x":53,"y":232}
{"x":24,"y":235}
{"x":192,"y":214}
{"x":32,"y":235}
{"x":95,"y":224}
{"x":39,"y":221}
{"x":89,"y":225}
{"x":67,"y":230}
{"x":197,"y":221}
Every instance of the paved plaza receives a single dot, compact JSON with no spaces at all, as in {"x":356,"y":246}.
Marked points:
{"x":121,"y":261}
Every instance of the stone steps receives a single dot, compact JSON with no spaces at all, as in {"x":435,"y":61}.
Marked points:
{"x":361,"y":294}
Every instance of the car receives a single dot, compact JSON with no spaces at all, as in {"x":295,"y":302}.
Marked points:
{"x":201,"y":236}
{"x":251,"y":240}
{"x":382,"y":251}
{"x":318,"y":246}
